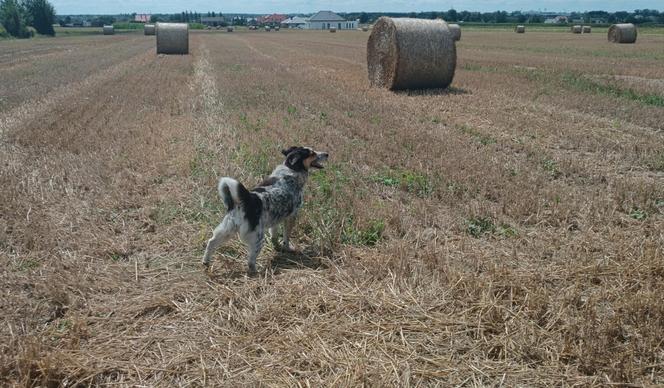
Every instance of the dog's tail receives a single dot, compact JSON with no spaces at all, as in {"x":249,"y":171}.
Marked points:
{"x":232,"y":192}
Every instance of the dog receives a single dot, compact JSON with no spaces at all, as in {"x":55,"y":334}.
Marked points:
{"x":276,"y":200}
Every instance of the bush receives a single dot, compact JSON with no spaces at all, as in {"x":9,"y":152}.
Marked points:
{"x":196,"y":26}
{"x":13,"y":18}
{"x":128,"y":26}
{"x":3,"y":32}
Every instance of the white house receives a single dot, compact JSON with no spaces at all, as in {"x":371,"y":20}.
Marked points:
{"x":295,"y":22}
{"x":324,"y":20}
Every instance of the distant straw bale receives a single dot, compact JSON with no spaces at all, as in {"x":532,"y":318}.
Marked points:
{"x":520,"y":29}
{"x":455,"y":29}
{"x":149,"y":29}
{"x":404,"y":53}
{"x":576,"y":29}
{"x":109,"y":30}
{"x":586,"y":29}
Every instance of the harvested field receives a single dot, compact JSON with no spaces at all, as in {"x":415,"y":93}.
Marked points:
{"x":506,"y":231}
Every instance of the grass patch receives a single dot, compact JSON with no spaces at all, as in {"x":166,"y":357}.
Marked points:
{"x":481,"y":226}
{"x":581,"y":83}
{"x":410,"y":181}
{"x":551,"y":168}
{"x":656,"y":163}
{"x":478,"y":227}
{"x":368,"y":235}
{"x":638,"y":214}
{"x":477,"y":135}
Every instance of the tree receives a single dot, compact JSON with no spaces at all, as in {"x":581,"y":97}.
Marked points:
{"x":41,"y":16}
{"x":452,"y":15}
{"x":364,"y":18}
{"x":13,"y":18}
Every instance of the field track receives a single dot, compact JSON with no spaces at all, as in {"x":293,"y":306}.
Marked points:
{"x":508,"y":231}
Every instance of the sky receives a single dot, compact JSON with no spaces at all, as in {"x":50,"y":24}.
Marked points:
{"x":69,"y":7}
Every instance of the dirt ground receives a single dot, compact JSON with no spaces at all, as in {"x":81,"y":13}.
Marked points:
{"x":508,"y":231}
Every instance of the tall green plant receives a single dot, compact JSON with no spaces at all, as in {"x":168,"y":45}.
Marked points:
{"x":41,"y":16}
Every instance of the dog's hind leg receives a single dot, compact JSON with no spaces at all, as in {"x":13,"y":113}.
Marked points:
{"x":254,"y":240}
{"x":222,"y":233}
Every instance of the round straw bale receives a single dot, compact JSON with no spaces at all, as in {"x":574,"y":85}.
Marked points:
{"x":149,"y":29}
{"x":404,"y":53}
{"x":576,"y":29}
{"x":520,"y":29}
{"x":267,"y":28}
{"x":172,"y":38}
{"x":109,"y":30}
{"x":622,"y":33}
{"x":277,"y":28}
{"x":365,"y":29}
{"x":455,"y":29}
{"x":333,"y":29}
{"x":586,"y":29}
{"x":229,"y":29}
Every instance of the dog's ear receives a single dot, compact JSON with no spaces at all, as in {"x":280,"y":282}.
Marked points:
{"x":288,"y":150}
{"x":295,"y":159}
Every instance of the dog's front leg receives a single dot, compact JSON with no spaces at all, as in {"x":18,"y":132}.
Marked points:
{"x":289,"y":223}
{"x":274,"y":236}
{"x":254,"y":240}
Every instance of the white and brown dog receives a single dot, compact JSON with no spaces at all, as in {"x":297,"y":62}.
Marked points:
{"x":277,"y":199}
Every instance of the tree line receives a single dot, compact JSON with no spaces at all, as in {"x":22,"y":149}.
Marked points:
{"x":639,"y":16}
{"x":21,"y":18}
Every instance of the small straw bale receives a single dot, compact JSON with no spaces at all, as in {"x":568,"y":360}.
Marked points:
{"x":333,"y":29}
{"x":365,"y":29}
{"x":520,"y":29}
{"x":622,"y":33}
{"x":172,"y":38}
{"x":586,"y":29}
{"x":229,"y":29}
{"x":455,"y":29}
{"x":576,"y":29}
{"x":149,"y":29}
{"x":267,"y":28}
{"x":404,"y":53}
{"x":109,"y":30}
{"x":277,"y":28}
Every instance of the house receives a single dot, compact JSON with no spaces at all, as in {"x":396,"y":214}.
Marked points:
{"x":324,"y":20}
{"x":142,"y":18}
{"x":294,"y":22}
{"x":272,"y":20}
{"x":556,"y":20}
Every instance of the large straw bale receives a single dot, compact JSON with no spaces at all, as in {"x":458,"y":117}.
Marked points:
{"x":172,"y":38}
{"x":404,"y":53}
{"x":576,"y":29}
{"x":586,"y":29}
{"x":333,"y":29}
{"x":229,"y":29}
{"x":622,"y":33}
{"x":149,"y":29}
{"x":109,"y":30}
{"x":455,"y":29}
{"x":520,"y":29}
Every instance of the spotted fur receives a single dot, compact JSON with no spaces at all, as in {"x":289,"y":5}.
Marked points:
{"x":274,"y":201}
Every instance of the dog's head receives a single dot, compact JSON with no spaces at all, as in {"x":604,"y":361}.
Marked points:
{"x":303,"y":158}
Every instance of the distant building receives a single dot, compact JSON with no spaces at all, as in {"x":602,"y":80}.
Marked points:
{"x":324,"y":20}
{"x":295,"y":22}
{"x":556,"y":20}
{"x":274,"y":19}
{"x":142,"y":18}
